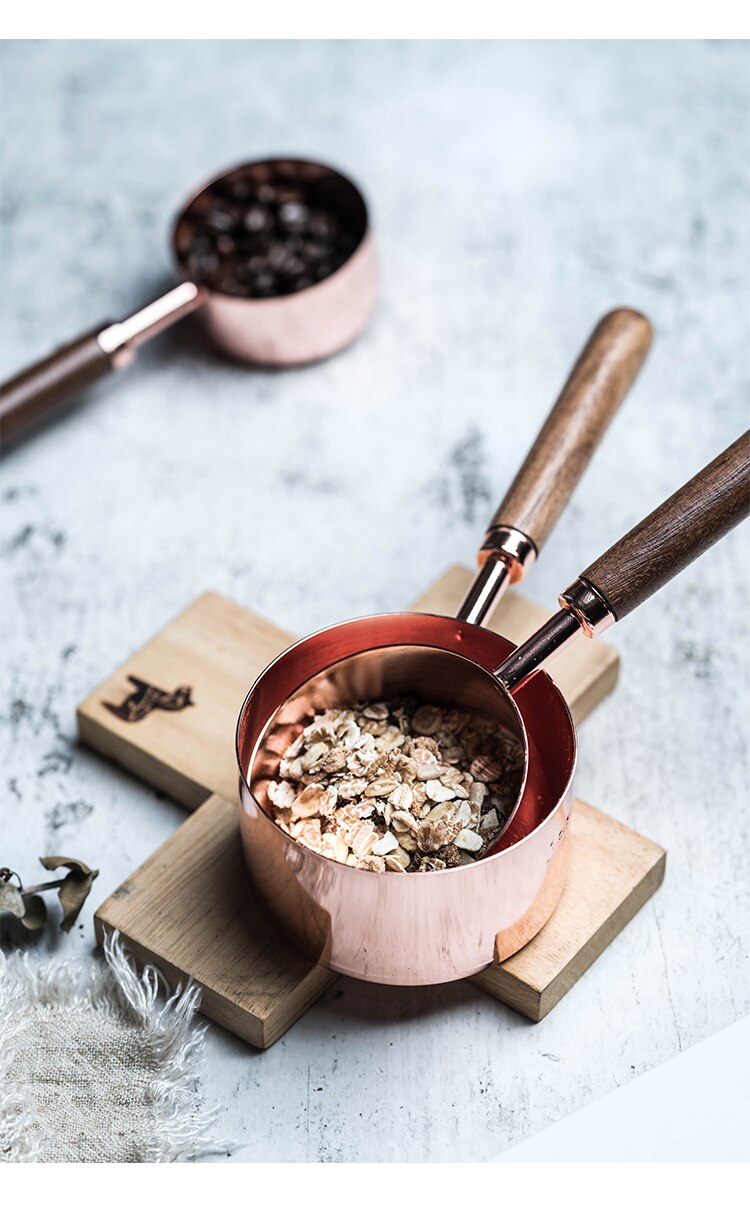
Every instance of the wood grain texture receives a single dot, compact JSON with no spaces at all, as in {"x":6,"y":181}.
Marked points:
{"x":36,"y":391}
{"x":611,"y":874}
{"x":601,"y":377}
{"x":218,"y":648}
{"x":683,"y":527}
{"x":189,"y":909}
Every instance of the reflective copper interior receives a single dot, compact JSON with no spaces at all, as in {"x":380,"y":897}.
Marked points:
{"x":431,"y":675}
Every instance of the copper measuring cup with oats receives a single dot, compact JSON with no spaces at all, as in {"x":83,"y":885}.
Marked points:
{"x":427,"y":928}
{"x":320,"y":311}
{"x":422,"y":929}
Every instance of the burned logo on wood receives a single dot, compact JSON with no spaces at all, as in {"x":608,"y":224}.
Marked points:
{"x":146,"y":698}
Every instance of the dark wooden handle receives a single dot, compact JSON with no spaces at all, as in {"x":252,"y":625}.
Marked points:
{"x":602,"y":375}
{"x":677,"y":532}
{"x":37,"y":390}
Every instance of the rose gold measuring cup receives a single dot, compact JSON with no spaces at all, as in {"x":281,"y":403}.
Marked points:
{"x":293,"y":329}
{"x":421,"y":929}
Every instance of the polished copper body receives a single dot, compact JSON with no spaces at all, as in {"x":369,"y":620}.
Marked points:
{"x":298,"y":328}
{"x":410,"y":929}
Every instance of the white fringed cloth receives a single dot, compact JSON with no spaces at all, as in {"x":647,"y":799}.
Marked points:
{"x":97,"y":1064}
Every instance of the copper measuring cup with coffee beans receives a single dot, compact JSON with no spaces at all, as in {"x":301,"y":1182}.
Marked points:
{"x":277,"y":256}
{"x":428,"y":928}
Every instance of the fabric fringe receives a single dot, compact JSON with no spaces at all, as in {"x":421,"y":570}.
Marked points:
{"x":115,"y":988}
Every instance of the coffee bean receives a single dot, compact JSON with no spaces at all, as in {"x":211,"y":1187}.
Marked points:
{"x":250,"y":245}
{"x":201,"y":245}
{"x":219,"y":219}
{"x":202,"y":267}
{"x":323,"y":226}
{"x":293,"y":216}
{"x":264,"y":280}
{"x":241,"y":190}
{"x":293,"y":266}
{"x":184,"y":237}
{"x":277,"y":256}
{"x":231,"y":285}
{"x":289,"y":195}
{"x":268,"y":230}
{"x":257,"y":219}
{"x":314,"y":253}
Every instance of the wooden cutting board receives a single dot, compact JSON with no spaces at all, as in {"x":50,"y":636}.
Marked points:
{"x":168,"y":715}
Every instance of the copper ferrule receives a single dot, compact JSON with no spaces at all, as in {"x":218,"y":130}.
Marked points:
{"x":121,"y":339}
{"x":590,"y":609}
{"x":503,"y":559}
{"x":582,"y":610}
{"x":513,"y":547}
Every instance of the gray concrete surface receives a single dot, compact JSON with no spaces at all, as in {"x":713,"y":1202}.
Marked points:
{"x":518,"y":191}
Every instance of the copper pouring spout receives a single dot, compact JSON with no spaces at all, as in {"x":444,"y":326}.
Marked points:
{"x":422,"y":929}
{"x":293,"y":329}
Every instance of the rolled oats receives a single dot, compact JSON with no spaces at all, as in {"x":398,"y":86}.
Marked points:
{"x":438,"y":791}
{"x":386,"y":844}
{"x":469,"y":839}
{"x":426,"y":720}
{"x":401,"y":799}
{"x":396,"y":786}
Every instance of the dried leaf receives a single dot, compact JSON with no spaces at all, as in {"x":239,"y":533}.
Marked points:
{"x":54,"y":861}
{"x":36,"y":912}
{"x":73,"y":889}
{"x":72,"y":894}
{"x":11,"y":899}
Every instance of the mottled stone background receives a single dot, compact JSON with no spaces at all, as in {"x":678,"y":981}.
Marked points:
{"x":518,"y":191}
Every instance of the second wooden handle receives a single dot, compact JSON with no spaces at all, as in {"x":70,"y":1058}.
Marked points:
{"x":595,"y":388}
{"x":683,"y":527}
